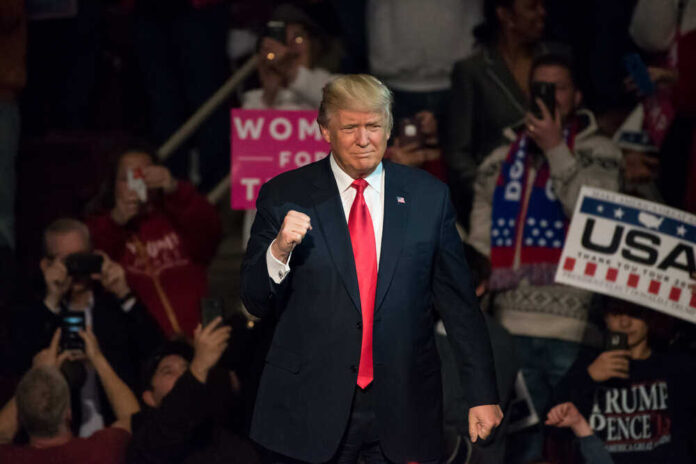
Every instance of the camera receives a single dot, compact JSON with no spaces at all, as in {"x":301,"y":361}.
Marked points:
{"x":83,"y":264}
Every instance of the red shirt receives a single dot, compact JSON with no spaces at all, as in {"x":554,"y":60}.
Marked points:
{"x":107,"y":446}
{"x":165,"y":255}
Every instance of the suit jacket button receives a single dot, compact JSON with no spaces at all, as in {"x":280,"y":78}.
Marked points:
{"x":359,"y":325}
{"x":354,"y":368}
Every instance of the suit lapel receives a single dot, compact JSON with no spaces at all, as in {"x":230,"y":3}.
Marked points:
{"x":332,"y":221}
{"x":396,"y":205}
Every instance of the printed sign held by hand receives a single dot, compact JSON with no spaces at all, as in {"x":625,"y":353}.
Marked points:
{"x":266,"y":143}
{"x":632,"y":249}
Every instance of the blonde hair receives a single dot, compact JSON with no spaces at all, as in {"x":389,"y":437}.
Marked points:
{"x":356,"y":92}
{"x":43,"y":399}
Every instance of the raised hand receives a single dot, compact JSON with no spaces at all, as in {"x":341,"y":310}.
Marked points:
{"x":49,"y":357}
{"x":609,"y":364}
{"x":159,"y":177}
{"x":112,"y":277}
{"x":292,"y":232}
{"x":567,"y":415}
{"x":92,"y":350}
{"x":57,"y":281}
{"x":209,"y":343}
{"x":547,"y":132}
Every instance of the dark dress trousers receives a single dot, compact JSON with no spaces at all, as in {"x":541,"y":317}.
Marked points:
{"x":304,"y":398}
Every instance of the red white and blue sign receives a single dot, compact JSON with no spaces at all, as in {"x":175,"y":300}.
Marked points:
{"x":632,"y":249}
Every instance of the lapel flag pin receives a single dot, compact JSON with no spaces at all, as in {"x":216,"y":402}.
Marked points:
{"x":401,"y":200}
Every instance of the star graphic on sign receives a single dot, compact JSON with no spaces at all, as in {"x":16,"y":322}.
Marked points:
{"x":618,"y":213}
{"x":600,"y":209}
{"x":681,"y":230}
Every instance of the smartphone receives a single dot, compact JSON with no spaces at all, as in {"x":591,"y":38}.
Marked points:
{"x":84,"y":264}
{"x":276,"y":30}
{"x":71,"y":323}
{"x":616,"y":341}
{"x":136,"y":182}
{"x":546,"y":91}
{"x":639,"y":73}
{"x":210,"y":309}
{"x":409,"y":132}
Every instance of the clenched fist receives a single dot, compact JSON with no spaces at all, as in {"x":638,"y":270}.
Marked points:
{"x":482,"y":420}
{"x":292,"y":232}
{"x":567,"y":415}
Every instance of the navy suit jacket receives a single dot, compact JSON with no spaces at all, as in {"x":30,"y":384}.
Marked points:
{"x":304,"y":398}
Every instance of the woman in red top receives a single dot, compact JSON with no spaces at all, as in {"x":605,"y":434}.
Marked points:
{"x":163,"y":232}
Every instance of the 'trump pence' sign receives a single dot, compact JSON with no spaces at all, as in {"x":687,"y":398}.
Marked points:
{"x":266,"y":143}
{"x":632,"y":249}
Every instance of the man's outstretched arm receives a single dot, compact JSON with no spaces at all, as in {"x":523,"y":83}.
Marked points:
{"x":121,"y":398}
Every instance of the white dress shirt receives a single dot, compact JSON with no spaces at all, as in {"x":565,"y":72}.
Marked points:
{"x":374,"y":198}
{"x":92,"y":418}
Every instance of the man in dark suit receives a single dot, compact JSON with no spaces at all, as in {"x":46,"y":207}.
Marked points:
{"x":349,"y":254}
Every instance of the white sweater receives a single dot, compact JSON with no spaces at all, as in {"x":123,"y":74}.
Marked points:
{"x":413,"y":44}
{"x":304,"y":93}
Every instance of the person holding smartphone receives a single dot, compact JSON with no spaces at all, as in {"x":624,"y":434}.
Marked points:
{"x":84,"y":288}
{"x":188,"y":402}
{"x":41,"y":406}
{"x":490,"y":90}
{"x":292,"y":64}
{"x":524,"y":196}
{"x":162,"y":232}
{"x":417,"y":144}
{"x":639,"y":400}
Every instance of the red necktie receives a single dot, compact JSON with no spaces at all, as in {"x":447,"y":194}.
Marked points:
{"x":362,"y":236}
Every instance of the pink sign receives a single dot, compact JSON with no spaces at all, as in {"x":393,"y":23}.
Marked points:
{"x":266,"y":143}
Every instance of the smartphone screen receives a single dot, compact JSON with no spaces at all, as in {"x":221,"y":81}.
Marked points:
{"x":639,"y":73}
{"x":616,"y":341}
{"x":276,"y":30}
{"x":409,"y":132}
{"x":71,"y":323}
{"x":210,"y":309}
{"x":546,"y":91}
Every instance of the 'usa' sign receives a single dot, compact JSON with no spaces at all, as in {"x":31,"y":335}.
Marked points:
{"x":632,"y":249}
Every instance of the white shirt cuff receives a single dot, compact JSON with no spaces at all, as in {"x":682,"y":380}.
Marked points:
{"x":277,"y":270}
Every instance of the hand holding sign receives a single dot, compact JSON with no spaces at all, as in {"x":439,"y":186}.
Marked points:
{"x":292,"y":232}
{"x":632,"y":249}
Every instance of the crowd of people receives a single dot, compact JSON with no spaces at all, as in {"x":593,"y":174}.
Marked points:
{"x":145,"y":376}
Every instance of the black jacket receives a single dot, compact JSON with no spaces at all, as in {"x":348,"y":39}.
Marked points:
{"x":190,"y":426}
{"x":304,"y":398}
{"x":125,"y":339}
